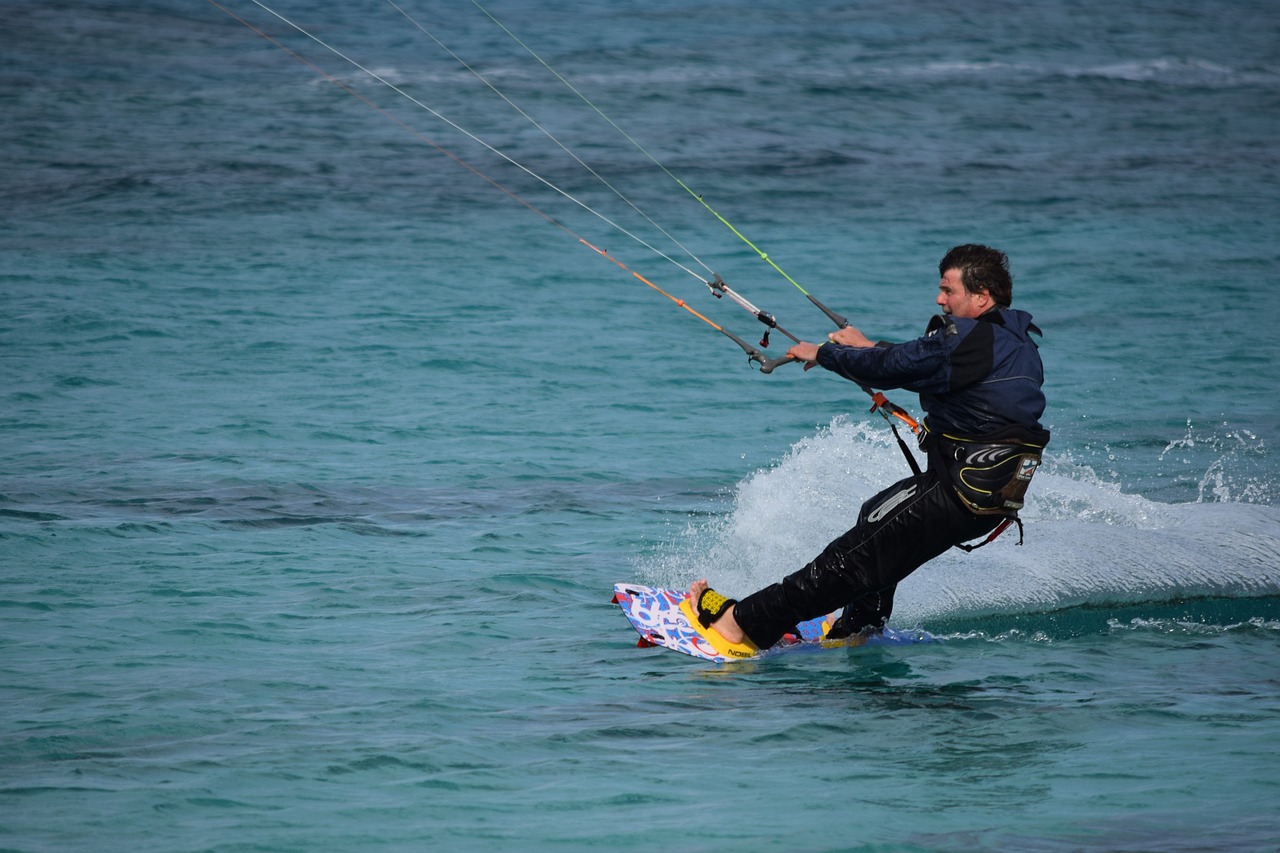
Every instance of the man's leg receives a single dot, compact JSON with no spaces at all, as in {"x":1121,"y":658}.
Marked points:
{"x":898,"y":530}
{"x":871,"y":612}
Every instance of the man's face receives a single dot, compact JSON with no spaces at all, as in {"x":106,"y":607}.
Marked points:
{"x":958,"y":302}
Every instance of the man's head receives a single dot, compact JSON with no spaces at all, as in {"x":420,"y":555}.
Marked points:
{"x":973,"y":279}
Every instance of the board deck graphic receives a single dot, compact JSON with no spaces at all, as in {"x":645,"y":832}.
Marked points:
{"x":665,"y":618}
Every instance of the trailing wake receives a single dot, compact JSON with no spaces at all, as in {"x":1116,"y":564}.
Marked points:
{"x":1087,"y":542}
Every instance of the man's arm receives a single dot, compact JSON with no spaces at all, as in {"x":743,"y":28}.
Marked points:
{"x":847,"y":336}
{"x":918,"y":365}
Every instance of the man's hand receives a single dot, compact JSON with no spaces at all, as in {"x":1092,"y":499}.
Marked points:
{"x":850,"y":337}
{"x":805,"y":352}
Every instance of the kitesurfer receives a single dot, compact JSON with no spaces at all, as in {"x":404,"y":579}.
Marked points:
{"x":979,"y":377}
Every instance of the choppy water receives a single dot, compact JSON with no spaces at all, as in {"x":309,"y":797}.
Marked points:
{"x":320,"y":455}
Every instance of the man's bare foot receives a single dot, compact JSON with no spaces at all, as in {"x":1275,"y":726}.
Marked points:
{"x":726,"y":626}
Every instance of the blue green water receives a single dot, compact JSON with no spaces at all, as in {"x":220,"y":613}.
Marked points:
{"x":319,"y":455}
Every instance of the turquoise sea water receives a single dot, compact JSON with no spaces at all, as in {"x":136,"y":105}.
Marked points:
{"x":319,"y":455}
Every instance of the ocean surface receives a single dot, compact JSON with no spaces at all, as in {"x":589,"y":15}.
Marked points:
{"x":325,"y":432}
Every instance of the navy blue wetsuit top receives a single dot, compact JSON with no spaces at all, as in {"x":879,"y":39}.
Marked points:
{"x":974,"y":376}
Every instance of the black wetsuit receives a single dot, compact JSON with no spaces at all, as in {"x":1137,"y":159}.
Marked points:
{"x":979,"y":381}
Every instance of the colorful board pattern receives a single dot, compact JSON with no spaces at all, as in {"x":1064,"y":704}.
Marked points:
{"x":664,"y":617}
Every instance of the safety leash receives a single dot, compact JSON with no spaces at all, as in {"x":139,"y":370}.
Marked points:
{"x":995,"y":534}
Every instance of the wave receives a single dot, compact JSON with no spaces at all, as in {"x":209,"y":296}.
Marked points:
{"x":1087,"y":541}
{"x":1190,"y":618}
{"x":373,"y":510}
{"x":1164,"y":70}
{"x":701,"y":74}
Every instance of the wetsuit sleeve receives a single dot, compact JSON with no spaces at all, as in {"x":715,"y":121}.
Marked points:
{"x":919,"y":365}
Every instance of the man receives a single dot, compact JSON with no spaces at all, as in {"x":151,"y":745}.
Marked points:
{"x":979,"y":377}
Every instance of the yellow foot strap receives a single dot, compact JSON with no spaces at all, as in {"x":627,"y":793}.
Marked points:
{"x":710,"y":606}
{"x":719,"y":643}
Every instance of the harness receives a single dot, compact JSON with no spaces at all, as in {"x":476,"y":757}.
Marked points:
{"x":990,"y":475}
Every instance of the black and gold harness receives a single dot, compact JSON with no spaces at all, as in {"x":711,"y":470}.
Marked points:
{"x":990,"y":475}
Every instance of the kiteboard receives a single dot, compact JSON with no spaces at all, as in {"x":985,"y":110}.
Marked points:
{"x":665,"y":618}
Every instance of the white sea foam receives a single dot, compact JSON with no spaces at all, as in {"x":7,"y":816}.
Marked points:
{"x":1087,"y":541}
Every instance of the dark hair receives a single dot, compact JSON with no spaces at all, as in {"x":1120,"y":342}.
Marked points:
{"x":981,"y":268}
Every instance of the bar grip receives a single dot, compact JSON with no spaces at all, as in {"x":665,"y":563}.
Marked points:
{"x":768,"y":365}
